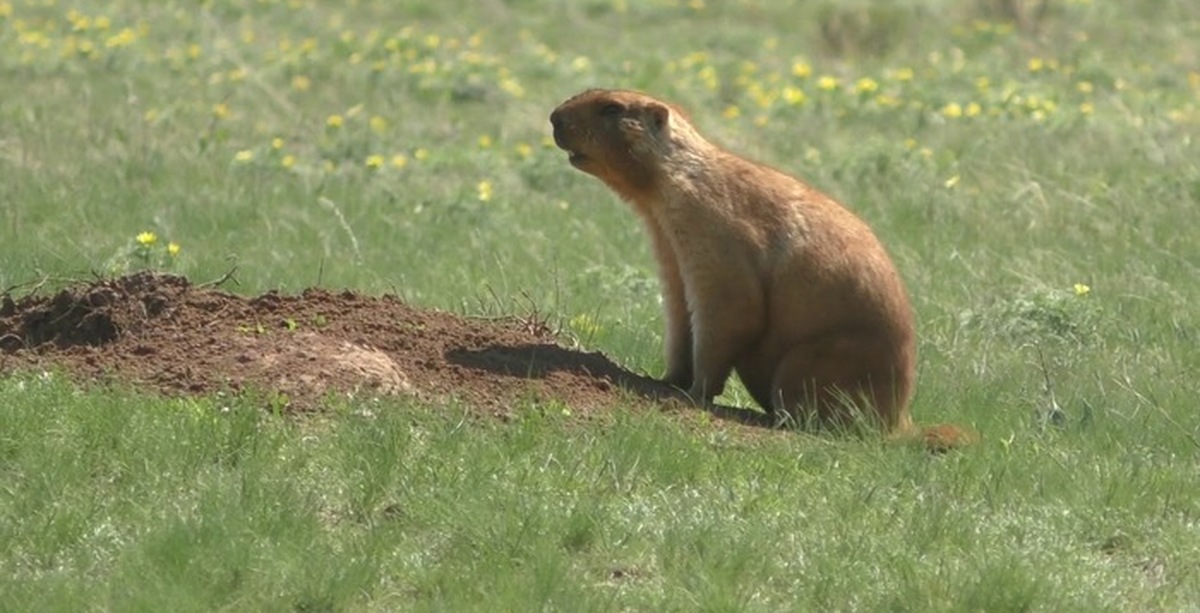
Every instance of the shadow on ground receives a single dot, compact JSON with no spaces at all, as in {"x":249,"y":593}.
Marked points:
{"x":545,"y":360}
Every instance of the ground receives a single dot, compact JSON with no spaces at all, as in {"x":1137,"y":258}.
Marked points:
{"x":163,"y":333}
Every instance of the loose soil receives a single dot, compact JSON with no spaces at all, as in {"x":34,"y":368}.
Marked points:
{"x":160,"y":332}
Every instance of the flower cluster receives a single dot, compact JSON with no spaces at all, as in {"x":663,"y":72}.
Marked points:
{"x":145,"y":252}
{"x":267,"y":97}
{"x":941,"y":88}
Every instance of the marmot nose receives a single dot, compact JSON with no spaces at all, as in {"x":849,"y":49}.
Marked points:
{"x":556,"y":119}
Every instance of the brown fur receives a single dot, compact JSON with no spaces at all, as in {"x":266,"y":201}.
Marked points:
{"x":761,"y":273}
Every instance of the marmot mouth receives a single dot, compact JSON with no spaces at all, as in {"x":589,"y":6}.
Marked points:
{"x":575,"y":158}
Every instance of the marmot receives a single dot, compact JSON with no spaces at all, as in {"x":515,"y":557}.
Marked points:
{"x":761,"y":273}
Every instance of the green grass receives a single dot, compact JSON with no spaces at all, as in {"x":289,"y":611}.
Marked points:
{"x":120,"y":501}
{"x":1002,"y":165}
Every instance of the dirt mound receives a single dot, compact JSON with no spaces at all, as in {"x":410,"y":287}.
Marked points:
{"x":163,"y":333}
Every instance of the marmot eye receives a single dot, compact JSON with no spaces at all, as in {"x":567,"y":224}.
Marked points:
{"x":611,"y":110}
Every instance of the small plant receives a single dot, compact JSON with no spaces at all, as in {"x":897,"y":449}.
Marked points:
{"x":145,"y":252}
{"x":257,"y":328}
{"x":624,"y":278}
{"x":278,"y":403}
{"x":1040,"y":314}
{"x":585,"y":327}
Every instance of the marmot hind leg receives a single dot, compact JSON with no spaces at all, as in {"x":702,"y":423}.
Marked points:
{"x":840,"y":380}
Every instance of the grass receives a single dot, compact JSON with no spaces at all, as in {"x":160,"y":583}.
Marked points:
{"x":1034,"y":175}
{"x":125,"y":502}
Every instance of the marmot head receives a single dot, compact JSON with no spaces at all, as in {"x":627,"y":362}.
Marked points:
{"x":619,"y":136}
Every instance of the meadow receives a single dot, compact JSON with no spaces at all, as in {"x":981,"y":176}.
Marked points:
{"x":1033,"y":168}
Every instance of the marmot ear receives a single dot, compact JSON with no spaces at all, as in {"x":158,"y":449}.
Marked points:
{"x":659,"y":115}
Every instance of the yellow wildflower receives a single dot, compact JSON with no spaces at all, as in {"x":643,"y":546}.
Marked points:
{"x":973,"y":109}
{"x":794,"y":95}
{"x":124,"y":38}
{"x":485,"y":141}
{"x":79,"y":21}
{"x":731,"y":112}
{"x":335,"y":121}
{"x":220,"y":110}
{"x":1036,"y":64}
{"x":399,"y":160}
{"x":288,"y":161}
{"x":523,"y":150}
{"x":378,"y":124}
{"x":584,"y":325}
{"x":146,"y":239}
{"x":243,"y":156}
{"x":301,"y":83}
{"x":887,"y":100}
{"x":421,"y":154}
{"x":827,"y":83}
{"x":277,"y":143}
{"x":866,"y":85}
{"x":1081,"y":289}
{"x":801,"y":69}
{"x":484,"y":190}
{"x":173,"y":248}
{"x":374,"y":161}
{"x":952,"y":110}
{"x":512,"y":87}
